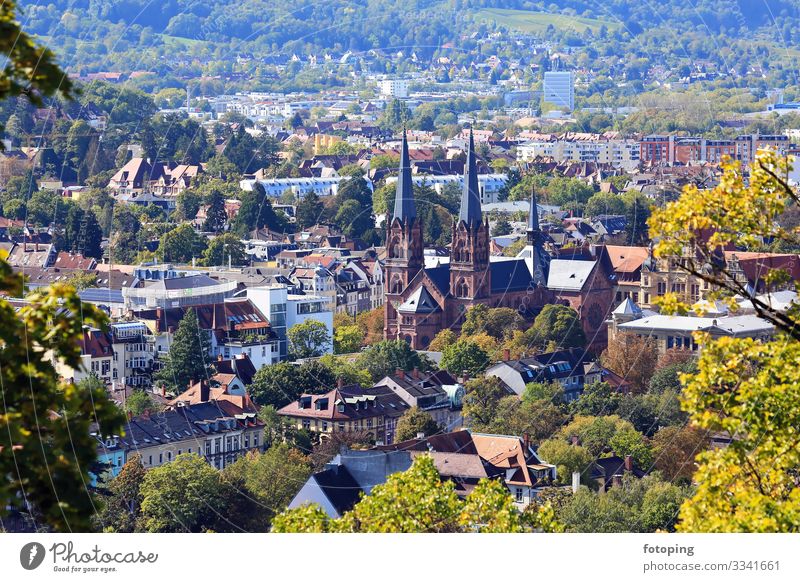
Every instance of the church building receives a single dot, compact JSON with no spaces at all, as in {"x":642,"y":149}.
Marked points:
{"x":422,"y":301}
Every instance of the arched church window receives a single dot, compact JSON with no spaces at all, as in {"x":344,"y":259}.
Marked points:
{"x":462,"y":288}
{"x":395,"y":249}
{"x":397,"y":285}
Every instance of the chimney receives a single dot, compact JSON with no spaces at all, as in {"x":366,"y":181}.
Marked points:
{"x":628,"y":463}
{"x":130,"y":415}
{"x":205,"y":392}
{"x":340,"y":383}
{"x":415,"y":373}
{"x":464,"y":377}
{"x":526,"y":440}
{"x":616,"y":481}
{"x":420,"y":435}
{"x":163,"y":390}
{"x":576,"y":481}
{"x":576,"y":440}
{"x":400,"y":373}
{"x":219,"y":357}
{"x":506,"y":354}
{"x":146,"y":414}
{"x":36,"y":244}
{"x":159,"y":318}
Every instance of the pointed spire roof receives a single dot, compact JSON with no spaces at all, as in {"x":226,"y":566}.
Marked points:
{"x":470,"y":211}
{"x":533,"y":214}
{"x":404,"y":207}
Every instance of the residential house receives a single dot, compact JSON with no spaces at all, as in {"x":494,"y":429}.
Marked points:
{"x":373,"y":412}
{"x":437,"y":393}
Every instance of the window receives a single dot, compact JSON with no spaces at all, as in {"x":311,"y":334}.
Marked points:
{"x":324,"y":426}
{"x":255,"y":439}
{"x":169,"y":455}
{"x":518,"y":494}
{"x":208,"y":448}
{"x":150,"y":460}
{"x":160,"y":458}
{"x":341,"y":427}
{"x":306,"y":424}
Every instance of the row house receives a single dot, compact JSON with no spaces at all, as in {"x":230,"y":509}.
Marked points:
{"x":218,"y":431}
{"x":670,"y":149}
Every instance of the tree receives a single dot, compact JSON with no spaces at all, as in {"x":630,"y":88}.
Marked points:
{"x":556,"y":327}
{"x":632,"y":357}
{"x":347,"y":339}
{"x":256,"y":212}
{"x":498,"y":322}
{"x":31,"y":69}
{"x":675,"y":449}
{"x":181,"y":496}
{"x":637,"y":212}
{"x":309,"y":210}
{"x":628,"y":441}
{"x":216,"y":216}
{"x":279,"y":384}
{"x":502,"y":227}
{"x":49,"y":434}
{"x":309,"y":339}
{"x":269,"y":479}
{"x":140,"y":401}
{"x":413,"y":422}
{"x":604,"y":203}
{"x":746,"y":387}
{"x":442,"y":340}
{"x":567,"y":458}
{"x":419,"y":501}
{"x":188,"y":204}
{"x":124,"y":502}
{"x":353,"y":219}
{"x":223,"y":249}
{"x":181,"y":244}
{"x":384,"y":357}
{"x":371,"y":322}
{"x":597,"y":399}
{"x":124,"y":242}
{"x":188,"y":358}
{"x":481,"y":401}
{"x":465,"y":357}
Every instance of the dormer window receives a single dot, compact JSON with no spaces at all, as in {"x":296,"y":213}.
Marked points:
{"x":340,"y":407}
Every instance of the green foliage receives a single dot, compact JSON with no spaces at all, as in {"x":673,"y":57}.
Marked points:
{"x":464,"y":356}
{"x":596,"y":399}
{"x":481,"y":401}
{"x":309,"y":210}
{"x":498,"y":322}
{"x":604,"y":203}
{"x":637,"y":505}
{"x":181,"y":496}
{"x":418,"y":501}
{"x":280,"y":384}
{"x":139,"y":401}
{"x":347,"y":339}
{"x":49,"y":434}
{"x":256,"y":212}
{"x":188,"y":357}
{"x":124,"y":500}
{"x":224,"y":248}
{"x":308,"y":339}
{"x":568,"y":459}
{"x":413,"y":422}
{"x":216,"y":216}
{"x":383,"y":358}
{"x":181,"y":244}
{"x":556,"y":327}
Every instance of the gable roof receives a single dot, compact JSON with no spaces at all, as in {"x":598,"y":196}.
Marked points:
{"x":569,"y":275}
{"x":421,"y":301}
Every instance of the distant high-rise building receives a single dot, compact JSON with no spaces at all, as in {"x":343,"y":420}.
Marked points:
{"x":559,"y":89}
{"x":396,"y":88}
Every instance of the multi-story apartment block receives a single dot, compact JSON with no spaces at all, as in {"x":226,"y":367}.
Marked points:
{"x":218,"y":431}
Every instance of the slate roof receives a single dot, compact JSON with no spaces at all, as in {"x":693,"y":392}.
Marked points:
{"x":508,"y":276}
{"x":420,"y":301}
{"x":441,"y":277}
{"x":569,"y":275}
{"x":339,"y":487}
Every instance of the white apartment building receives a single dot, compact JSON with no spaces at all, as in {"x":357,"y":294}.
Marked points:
{"x":298,"y":186}
{"x":619,"y":153}
{"x":559,"y":89}
{"x":488,"y":184}
{"x":394,"y":88}
{"x":285,"y":310}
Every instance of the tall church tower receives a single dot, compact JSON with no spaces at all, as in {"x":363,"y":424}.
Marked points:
{"x":404,"y":244}
{"x":470,"y":277}
{"x":536,"y":257}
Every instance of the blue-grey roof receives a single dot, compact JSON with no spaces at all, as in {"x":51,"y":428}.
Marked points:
{"x":470,"y":211}
{"x":441,"y":277}
{"x":510,"y":276}
{"x":404,"y":207}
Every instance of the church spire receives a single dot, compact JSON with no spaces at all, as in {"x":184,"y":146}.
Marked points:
{"x":534,"y":232}
{"x":470,"y":211}
{"x":404,"y":207}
